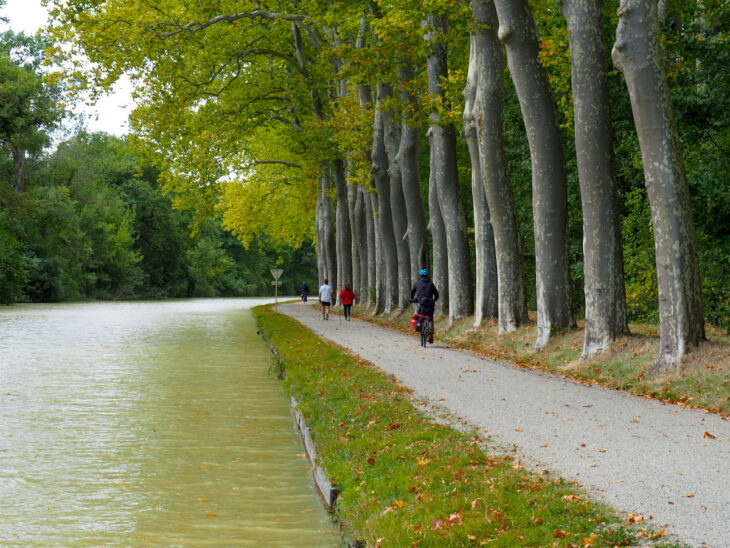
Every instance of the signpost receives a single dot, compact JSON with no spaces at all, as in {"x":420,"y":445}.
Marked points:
{"x":276,"y":273}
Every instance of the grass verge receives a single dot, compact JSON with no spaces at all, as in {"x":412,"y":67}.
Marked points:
{"x":407,"y":480}
{"x":703,"y":381}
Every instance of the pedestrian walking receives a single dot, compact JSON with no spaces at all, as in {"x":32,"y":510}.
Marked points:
{"x":347,"y":297}
{"x":325,"y":299}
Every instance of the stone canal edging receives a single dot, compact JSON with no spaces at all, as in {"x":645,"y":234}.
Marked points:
{"x":327,"y":491}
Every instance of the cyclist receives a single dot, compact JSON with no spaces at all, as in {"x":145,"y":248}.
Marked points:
{"x":424,"y":292}
{"x":304,"y":292}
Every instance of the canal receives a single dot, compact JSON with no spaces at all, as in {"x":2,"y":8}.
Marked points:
{"x":148,"y":424}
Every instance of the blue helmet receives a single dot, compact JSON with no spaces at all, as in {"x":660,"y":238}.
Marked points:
{"x":423,"y":272}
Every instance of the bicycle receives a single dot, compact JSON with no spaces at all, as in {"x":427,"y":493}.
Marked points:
{"x":423,"y":323}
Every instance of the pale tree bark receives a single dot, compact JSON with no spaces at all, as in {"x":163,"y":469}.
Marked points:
{"x":392,"y":127}
{"x":344,"y":232}
{"x":319,"y":236}
{"x":445,"y":176}
{"x":386,"y":233}
{"x":367,"y":269}
{"x":603,"y":269}
{"x":549,"y":187}
{"x":638,"y":54}
{"x":410,"y":177}
{"x":487,"y":114}
{"x":379,"y":264}
{"x":328,"y":229}
{"x":485,"y":305}
{"x":440,"y":270}
{"x":355,"y":230}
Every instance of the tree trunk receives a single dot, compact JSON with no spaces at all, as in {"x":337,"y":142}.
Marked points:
{"x":485,"y":304}
{"x":380,"y":267}
{"x":603,"y":268}
{"x":445,"y":176}
{"x":361,"y":214}
{"x":549,"y":187}
{"x":440,"y":271}
{"x":410,"y":178}
{"x":487,"y":116}
{"x":328,"y":229}
{"x":319,"y":237}
{"x":344,"y":232}
{"x":379,"y":159}
{"x":392,"y":126}
{"x":637,"y":53}
{"x":20,"y":159}
{"x":373,"y":258}
{"x":355,"y":231}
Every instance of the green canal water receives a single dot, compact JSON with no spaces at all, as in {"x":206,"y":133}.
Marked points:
{"x":148,"y":424}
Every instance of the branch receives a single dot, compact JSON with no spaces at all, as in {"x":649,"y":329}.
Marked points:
{"x":193,"y":27}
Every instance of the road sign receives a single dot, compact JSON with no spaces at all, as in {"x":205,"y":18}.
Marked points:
{"x":276,"y":272}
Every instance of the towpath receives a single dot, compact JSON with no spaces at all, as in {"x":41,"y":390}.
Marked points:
{"x":638,"y":455}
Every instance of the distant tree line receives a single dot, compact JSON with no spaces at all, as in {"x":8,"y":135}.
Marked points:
{"x":590,"y":177}
{"x":90,"y":220}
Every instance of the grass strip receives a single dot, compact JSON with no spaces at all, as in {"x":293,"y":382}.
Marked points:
{"x":407,"y":480}
{"x":703,"y":381}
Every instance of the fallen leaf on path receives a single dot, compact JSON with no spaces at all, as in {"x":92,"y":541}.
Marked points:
{"x":708,"y":435}
{"x":688,"y":496}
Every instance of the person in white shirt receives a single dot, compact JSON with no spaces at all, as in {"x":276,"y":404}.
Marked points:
{"x":325,"y":299}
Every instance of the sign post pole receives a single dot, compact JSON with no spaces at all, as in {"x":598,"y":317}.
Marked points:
{"x":276,"y":273}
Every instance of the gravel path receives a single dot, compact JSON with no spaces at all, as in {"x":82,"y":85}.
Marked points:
{"x":638,"y":455}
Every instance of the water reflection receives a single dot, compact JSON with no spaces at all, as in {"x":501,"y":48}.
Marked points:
{"x":132,"y":424}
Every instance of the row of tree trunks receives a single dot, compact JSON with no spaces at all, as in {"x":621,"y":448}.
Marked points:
{"x":444,"y":174}
{"x":381,"y":235}
{"x":549,"y":186}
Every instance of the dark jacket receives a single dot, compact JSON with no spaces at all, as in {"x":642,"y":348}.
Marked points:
{"x":424,"y":289}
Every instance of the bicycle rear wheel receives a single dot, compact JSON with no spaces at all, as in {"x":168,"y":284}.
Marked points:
{"x":424,"y":331}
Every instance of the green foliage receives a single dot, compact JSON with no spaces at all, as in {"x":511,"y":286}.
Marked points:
{"x":29,"y":108}
{"x":13,"y":266}
{"x":241,"y":115}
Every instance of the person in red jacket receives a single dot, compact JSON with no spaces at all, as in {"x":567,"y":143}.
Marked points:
{"x":347,"y":297}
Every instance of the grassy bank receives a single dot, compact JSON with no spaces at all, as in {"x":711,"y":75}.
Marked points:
{"x":703,"y":381}
{"x":406,"y":480}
